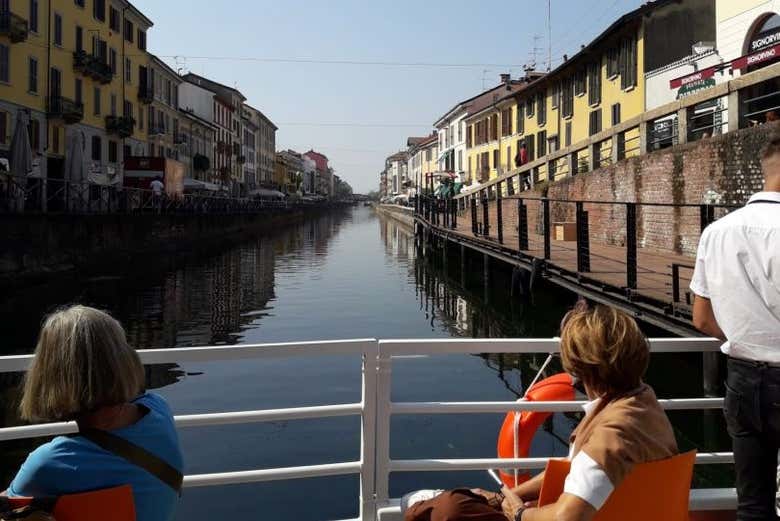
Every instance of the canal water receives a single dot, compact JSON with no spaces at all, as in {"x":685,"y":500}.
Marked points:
{"x":350,"y":274}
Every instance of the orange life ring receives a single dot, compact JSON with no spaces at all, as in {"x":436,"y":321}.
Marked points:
{"x":519,"y":428}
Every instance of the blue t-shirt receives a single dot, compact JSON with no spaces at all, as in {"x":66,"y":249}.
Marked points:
{"x":68,"y":465}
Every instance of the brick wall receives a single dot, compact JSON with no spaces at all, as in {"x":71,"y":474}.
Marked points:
{"x":724,"y":169}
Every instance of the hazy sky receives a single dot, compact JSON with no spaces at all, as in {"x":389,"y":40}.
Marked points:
{"x":358,"y":114}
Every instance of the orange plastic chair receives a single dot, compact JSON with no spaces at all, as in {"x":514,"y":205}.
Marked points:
{"x":652,"y":491}
{"x":111,"y":503}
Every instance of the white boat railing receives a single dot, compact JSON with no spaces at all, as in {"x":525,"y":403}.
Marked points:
{"x":376,"y":409}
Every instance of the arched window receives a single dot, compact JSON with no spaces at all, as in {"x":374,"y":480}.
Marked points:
{"x":772,"y":22}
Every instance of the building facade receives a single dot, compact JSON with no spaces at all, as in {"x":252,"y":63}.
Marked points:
{"x":63,"y":64}
{"x":323,"y":173}
{"x":228,"y":103}
{"x":292,"y":179}
{"x":396,"y":167}
{"x":165,"y":139}
{"x":197,"y":149}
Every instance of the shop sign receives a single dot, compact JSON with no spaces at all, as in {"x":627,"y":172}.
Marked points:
{"x":765,"y":39}
{"x":756,"y":58}
{"x":691,"y":88}
{"x":696,"y":77}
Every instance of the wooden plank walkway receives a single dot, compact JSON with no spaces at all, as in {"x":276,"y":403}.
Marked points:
{"x":608,"y":266}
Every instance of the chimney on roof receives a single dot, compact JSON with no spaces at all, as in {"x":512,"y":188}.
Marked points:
{"x":565,"y":57}
{"x":506,"y":78}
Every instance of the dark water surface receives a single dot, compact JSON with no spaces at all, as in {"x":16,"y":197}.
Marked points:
{"x":346,"y":275}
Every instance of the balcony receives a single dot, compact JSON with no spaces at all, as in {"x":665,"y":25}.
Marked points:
{"x":65,"y":109}
{"x":145,"y":94}
{"x":14,"y":27}
{"x":92,"y":66}
{"x":122,"y":126}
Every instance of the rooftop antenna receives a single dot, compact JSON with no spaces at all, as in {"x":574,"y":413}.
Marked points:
{"x":549,"y":35}
{"x":535,"y":50}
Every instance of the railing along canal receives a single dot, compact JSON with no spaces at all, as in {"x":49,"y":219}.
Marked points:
{"x":37,"y":195}
{"x":376,"y":409}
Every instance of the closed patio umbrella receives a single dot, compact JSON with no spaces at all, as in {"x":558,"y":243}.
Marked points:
{"x":20,"y":161}
{"x":76,"y":171}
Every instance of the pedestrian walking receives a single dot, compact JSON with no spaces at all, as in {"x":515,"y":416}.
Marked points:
{"x":157,"y":187}
{"x":737,"y":286}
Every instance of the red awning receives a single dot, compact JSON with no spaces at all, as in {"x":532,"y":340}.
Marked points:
{"x":757,"y":57}
{"x":701,"y":75}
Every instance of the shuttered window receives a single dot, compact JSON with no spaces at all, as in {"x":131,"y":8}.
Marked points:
{"x":594,"y":83}
{"x":506,"y":122}
{"x":556,"y":95}
{"x":496,"y":159}
{"x":529,"y":107}
{"x":541,"y":111}
{"x":541,"y":142}
{"x":628,"y":63}
{"x":594,"y":125}
{"x":580,"y":79}
{"x":529,"y":141}
{"x":568,"y":135}
{"x":613,"y":56}
{"x":520,"y":118}
{"x":469,"y":129}
{"x":567,"y":103}
{"x":615,"y":114}
{"x":5,"y":65}
{"x":99,"y":10}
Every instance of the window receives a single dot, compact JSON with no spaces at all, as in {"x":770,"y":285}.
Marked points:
{"x":99,"y":10}
{"x":567,"y":98}
{"x":32,"y":84}
{"x":541,"y":143}
{"x":77,"y":89}
{"x":460,"y":131}
{"x":96,"y":101}
{"x":57,"y":29}
{"x":55,"y":82}
{"x":615,"y":114}
{"x":506,"y":122}
{"x":80,"y":3}
{"x":113,"y":104}
{"x":541,"y":111}
{"x":594,"y":83}
{"x":97,"y":148}
{"x":568,"y":134}
{"x":113,"y":19}
{"x":556,"y":95}
{"x":529,"y":107}
{"x":129,"y":31}
{"x":34,"y":131}
{"x":33,"y":16}
{"x":113,"y":150}
{"x":128,"y":71}
{"x":594,"y":124}
{"x":3,"y":128}
{"x":529,"y":142}
{"x":168,"y":92}
{"x":151,"y":119}
{"x":5,"y":64}
{"x":627,"y":64}
{"x":468,"y":136}
{"x":112,"y":61}
{"x":509,"y":158}
{"x":140,"y":119}
{"x":580,"y":78}
{"x":460,"y":160}
{"x":496,"y":159}
{"x":520,"y":118}
{"x":141,"y":40}
{"x":613,"y":56}
{"x":79,"y":39}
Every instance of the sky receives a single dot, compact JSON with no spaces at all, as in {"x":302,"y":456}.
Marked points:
{"x":353,"y":79}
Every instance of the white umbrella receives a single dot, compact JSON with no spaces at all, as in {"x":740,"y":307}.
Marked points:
{"x":21,"y":163}
{"x":76,"y":170}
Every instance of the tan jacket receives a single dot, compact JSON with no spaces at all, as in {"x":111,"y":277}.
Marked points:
{"x":624,"y":431}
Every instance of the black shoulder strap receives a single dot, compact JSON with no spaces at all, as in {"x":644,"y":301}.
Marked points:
{"x":136,"y":455}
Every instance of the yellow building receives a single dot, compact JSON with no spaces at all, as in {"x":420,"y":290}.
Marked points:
{"x":598,"y":88}
{"x":165,"y":137}
{"x":73,"y":65}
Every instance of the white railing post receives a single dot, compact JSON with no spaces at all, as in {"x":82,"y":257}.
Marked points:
{"x":368,"y":434}
{"x":383,"y":406}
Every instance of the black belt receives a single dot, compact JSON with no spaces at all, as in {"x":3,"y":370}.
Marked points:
{"x":755,"y":363}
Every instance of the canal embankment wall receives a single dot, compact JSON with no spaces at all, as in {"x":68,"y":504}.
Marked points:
{"x":36,"y":246}
{"x":402,"y":214}
{"x":723,"y":169}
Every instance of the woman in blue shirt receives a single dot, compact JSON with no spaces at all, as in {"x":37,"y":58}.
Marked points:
{"x":84,"y":370}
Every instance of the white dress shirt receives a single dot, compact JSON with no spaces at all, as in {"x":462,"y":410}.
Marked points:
{"x":586,"y":479}
{"x":738,"y":269}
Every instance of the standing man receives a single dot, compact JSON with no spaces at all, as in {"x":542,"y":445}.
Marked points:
{"x":522,"y":155}
{"x":737,"y":287}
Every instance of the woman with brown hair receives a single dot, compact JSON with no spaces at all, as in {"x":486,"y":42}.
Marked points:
{"x":624,"y":425}
{"x":85,"y":371}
